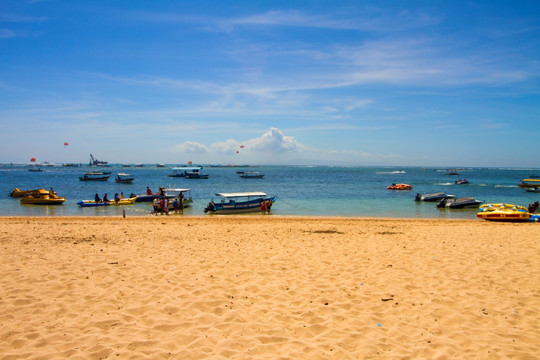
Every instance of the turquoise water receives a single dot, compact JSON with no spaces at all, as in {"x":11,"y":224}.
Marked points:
{"x":300,"y":190}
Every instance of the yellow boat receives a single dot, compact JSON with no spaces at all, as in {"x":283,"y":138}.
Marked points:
{"x":88,"y":203}
{"x":529,"y":183}
{"x":42,"y":199}
{"x":503,"y":212}
{"x":22,"y":193}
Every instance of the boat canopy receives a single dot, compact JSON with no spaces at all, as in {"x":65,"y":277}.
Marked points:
{"x":241,"y":194}
{"x":176,"y":190}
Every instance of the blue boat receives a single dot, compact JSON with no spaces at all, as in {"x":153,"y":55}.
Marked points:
{"x":235,"y":203}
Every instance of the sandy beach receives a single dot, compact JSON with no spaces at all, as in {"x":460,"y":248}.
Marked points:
{"x":266,"y":287}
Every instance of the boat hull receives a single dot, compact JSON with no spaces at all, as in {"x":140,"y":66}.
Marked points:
{"x":504,"y":215}
{"x":239,"y":207}
{"x":433,"y":197}
{"x":91,"y":203}
{"x":44,"y":200}
{"x":101,"y":178}
{"x":505,"y":212}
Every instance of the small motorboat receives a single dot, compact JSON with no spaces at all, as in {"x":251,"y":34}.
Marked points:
{"x":95,"y":176}
{"x":38,"y":198}
{"x":461,"y":182}
{"x":235,"y":203}
{"x":16,"y":193}
{"x":89,"y":203}
{"x":529,"y":183}
{"x":438,"y":196}
{"x":124,"y":178}
{"x":188,"y":173}
{"x":459,"y":203}
{"x":251,"y":175}
{"x":505,"y":212}
{"x":399,"y":187}
{"x":150,"y":196}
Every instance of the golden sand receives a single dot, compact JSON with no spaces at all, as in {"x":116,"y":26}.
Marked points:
{"x":266,"y":287}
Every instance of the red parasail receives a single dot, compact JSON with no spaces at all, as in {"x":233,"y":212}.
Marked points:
{"x":33,"y":159}
{"x":66,"y":144}
{"x":241,"y":146}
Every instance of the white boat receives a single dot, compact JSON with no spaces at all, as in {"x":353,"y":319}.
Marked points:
{"x":251,"y":175}
{"x":459,"y":203}
{"x":193,"y":172}
{"x":124,"y":178}
{"x":241,"y":202}
{"x":438,"y":196}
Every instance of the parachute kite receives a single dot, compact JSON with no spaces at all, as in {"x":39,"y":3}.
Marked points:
{"x":190,"y":162}
{"x":66,"y":144}
{"x":241,"y":146}
{"x":33,"y":159}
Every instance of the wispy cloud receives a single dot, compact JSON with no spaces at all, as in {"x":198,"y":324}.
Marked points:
{"x":365,"y":19}
{"x":7,"y":34}
{"x":11,"y":18}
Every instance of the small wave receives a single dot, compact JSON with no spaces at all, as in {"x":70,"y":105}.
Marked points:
{"x":506,"y":186}
{"x":444,"y":184}
{"x":392,"y":172}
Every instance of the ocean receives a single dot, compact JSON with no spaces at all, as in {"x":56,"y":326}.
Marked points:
{"x":300,"y":190}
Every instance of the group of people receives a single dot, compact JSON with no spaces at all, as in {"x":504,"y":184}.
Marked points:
{"x":266,"y":206}
{"x":163,"y":205}
{"x":117,"y":198}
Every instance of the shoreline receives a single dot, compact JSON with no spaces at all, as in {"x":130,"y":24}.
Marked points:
{"x":264,"y":286}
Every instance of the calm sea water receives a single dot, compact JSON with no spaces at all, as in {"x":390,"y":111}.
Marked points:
{"x":300,"y":190}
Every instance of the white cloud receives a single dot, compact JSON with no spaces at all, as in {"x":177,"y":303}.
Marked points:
{"x":191,"y":147}
{"x":274,"y":140}
{"x":228,"y":147}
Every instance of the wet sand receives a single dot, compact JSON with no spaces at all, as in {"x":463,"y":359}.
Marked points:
{"x":266,"y":287}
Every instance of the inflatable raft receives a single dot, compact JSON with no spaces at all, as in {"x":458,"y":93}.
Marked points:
{"x":88,"y":203}
{"x":505,"y":212}
{"x":399,"y":187}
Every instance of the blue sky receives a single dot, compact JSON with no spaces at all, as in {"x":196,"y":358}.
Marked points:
{"x":429,"y":83}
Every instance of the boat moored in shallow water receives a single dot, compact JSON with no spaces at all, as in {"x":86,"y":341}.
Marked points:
{"x":39,"y":198}
{"x":236,"y":203}
{"x":438,"y":196}
{"x":459,"y":203}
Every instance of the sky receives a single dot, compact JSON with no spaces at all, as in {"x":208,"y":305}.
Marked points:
{"x":356,"y":83}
